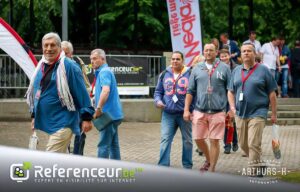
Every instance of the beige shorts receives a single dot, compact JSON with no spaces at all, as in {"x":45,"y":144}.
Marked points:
{"x":207,"y":125}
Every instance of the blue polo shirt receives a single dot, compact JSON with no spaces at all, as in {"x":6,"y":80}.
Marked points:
{"x":105,"y":77}
{"x":256,"y":91}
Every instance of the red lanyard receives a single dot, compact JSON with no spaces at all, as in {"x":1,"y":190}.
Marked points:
{"x":244,"y":79}
{"x":273,"y":48}
{"x":175,"y":80}
{"x":49,"y":69}
{"x":93,"y":86}
{"x":213,"y":70}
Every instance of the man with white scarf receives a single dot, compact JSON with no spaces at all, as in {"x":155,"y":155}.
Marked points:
{"x":57,"y":96}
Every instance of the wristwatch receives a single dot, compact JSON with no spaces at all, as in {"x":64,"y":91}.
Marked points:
{"x":99,"y":109}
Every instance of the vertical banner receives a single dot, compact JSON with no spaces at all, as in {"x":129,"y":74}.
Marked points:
{"x":185,"y":28}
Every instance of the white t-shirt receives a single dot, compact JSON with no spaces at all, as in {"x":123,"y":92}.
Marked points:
{"x":209,"y":66}
{"x":270,"y":55}
{"x":256,"y":44}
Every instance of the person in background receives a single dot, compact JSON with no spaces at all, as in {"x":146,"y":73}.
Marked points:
{"x":270,"y":55}
{"x":79,"y":140}
{"x":295,"y":68}
{"x":284,"y":58}
{"x":253,"y":41}
{"x":230,"y":136}
{"x":233,"y":47}
{"x":107,"y":100}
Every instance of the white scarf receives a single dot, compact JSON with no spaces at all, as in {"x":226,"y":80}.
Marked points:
{"x":63,"y":90}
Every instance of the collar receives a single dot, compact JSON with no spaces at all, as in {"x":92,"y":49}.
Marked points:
{"x":243,"y":67}
{"x":97,"y":71}
{"x":203,"y":65}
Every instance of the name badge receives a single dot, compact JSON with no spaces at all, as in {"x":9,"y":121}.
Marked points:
{"x":241,"y":97}
{"x":38,"y":94}
{"x":174,"y":98}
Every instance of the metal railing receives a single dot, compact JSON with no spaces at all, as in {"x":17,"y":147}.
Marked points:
{"x":14,"y":82}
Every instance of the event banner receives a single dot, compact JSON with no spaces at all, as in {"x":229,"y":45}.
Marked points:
{"x":131,"y":74}
{"x":185,"y":28}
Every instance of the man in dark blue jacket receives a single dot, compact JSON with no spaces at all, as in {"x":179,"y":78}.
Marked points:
{"x":170,"y":95}
{"x":232,"y":45}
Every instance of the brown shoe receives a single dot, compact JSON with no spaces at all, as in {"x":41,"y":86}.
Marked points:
{"x":205,"y":166}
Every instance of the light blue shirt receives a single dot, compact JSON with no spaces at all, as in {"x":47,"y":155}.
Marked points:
{"x":105,"y":77}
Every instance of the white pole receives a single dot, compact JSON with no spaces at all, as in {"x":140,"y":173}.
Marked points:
{"x":65,"y":20}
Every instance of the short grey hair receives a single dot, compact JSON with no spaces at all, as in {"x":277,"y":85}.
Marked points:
{"x":52,"y":35}
{"x":253,"y":47}
{"x":68,"y":45}
{"x":100,"y":52}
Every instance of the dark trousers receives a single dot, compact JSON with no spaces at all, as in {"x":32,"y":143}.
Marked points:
{"x":79,"y":142}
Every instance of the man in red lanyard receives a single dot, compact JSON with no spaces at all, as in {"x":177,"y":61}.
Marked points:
{"x":169,"y":95}
{"x":252,"y":87}
{"x":208,"y":84}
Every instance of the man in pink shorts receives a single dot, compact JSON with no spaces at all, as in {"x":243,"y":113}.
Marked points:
{"x":208,"y":83}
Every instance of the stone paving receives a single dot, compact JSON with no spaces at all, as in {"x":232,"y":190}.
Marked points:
{"x":140,"y":143}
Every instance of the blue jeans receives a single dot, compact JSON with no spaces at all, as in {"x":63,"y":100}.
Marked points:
{"x":296,"y":86}
{"x":108,"y":146}
{"x":284,"y":81}
{"x":169,"y":126}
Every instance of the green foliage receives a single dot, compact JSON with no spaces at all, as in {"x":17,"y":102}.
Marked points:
{"x":43,"y":10}
{"x":118,"y":20}
{"x":291,"y":177}
{"x":117,"y":29}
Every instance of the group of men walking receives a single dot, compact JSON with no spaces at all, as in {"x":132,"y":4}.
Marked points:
{"x":197,"y":101}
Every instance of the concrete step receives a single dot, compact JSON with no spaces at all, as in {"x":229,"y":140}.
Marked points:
{"x":288,"y":101}
{"x":288,"y":107}
{"x":286,"y":121}
{"x":286,"y":114}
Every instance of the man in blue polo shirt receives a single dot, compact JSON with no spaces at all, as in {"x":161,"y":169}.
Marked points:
{"x":107,"y":100}
{"x":251,"y":90}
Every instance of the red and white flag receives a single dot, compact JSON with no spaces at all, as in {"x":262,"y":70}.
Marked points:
{"x":185,"y":27}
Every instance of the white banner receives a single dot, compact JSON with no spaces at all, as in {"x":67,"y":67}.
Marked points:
{"x":184,"y":19}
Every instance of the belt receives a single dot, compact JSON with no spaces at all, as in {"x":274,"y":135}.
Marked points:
{"x":211,"y":111}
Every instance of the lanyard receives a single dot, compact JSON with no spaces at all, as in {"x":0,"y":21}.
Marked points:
{"x":93,"y":86}
{"x":175,"y":80}
{"x":49,"y":69}
{"x":213,"y":70}
{"x":244,"y":79}
{"x":273,"y":48}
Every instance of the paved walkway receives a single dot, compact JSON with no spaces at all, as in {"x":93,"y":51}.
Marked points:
{"x":140,"y":143}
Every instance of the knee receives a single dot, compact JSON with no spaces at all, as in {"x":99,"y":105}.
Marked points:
{"x":214,"y":141}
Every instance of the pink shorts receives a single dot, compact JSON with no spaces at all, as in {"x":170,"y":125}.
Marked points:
{"x":207,"y":125}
